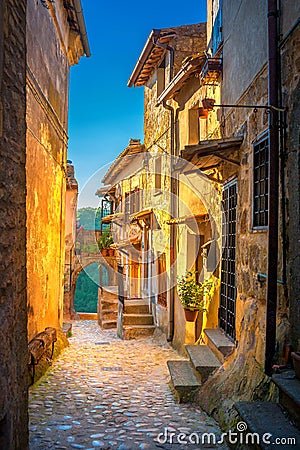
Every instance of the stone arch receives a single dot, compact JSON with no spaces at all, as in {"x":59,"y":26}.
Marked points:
{"x":79,"y":267}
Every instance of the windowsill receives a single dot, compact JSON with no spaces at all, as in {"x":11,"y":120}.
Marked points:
{"x":255,"y":230}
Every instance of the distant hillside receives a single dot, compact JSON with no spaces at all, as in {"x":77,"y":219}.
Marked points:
{"x":89,"y":218}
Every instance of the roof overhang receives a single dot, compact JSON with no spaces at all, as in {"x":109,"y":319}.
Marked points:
{"x":151,"y":54}
{"x":192,"y":65}
{"x":208,"y":154}
{"x":126,"y":163}
{"x":77,"y":23}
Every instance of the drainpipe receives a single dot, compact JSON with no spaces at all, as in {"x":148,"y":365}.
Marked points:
{"x":174,"y":189}
{"x":273,"y":186}
{"x":171,"y":50}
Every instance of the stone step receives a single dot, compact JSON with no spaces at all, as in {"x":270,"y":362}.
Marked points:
{"x":289,"y":394}
{"x":137,"y":319}
{"x":87,"y":316}
{"x":203,"y":360}
{"x":184,"y":382}
{"x":109,"y":304}
{"x":137,"y":331}
{"x":108,"y":314}
{"x":136,"y":307}
{"x":218,"y":342}
{"x":267,"y":417}
{"x":108,"y":324}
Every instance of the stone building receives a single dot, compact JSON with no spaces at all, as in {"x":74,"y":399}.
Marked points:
{"x":50,"y":54}
{"x":238,"y":175}
{"x":13,"y":311}
{"x":70,"y":240}
{"x":39,"y":41}
{"x":161,"y":60}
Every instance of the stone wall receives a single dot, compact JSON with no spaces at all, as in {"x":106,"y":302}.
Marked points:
{"x":243,"y":377}
{"x":70,"y":237}
{"x":47,"y":108}
{"x":290,"y":52}
{"x":13,"y":316}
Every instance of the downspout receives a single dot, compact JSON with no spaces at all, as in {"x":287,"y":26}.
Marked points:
{"x":171,"y":51}
{"x":173,"y":187}
{"x":273,"y":61}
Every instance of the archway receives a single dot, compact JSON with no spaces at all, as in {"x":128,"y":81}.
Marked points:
{"x":86,"y":290}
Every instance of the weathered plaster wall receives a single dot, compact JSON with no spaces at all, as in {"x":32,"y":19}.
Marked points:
{"x":13,"y":313}
{"x":47,"y":106}
{"x":242,"y":24}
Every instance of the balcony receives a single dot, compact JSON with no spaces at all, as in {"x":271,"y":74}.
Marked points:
{"x":211,"y":71}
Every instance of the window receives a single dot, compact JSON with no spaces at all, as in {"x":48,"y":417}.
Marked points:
{"x":158,"y":174}
{"x":194,"y":127}
{"x":217,"y":27}
{"x":161,"y":77}
{"x":260,"y":183}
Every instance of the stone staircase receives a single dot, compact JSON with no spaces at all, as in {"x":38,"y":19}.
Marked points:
{"x":281,"y":420}
{"x":188,"y":375}
{"x":137,"y":320}
{"x":108,"y":307}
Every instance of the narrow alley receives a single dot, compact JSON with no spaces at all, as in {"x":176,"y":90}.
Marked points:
{"x":111,"y":394}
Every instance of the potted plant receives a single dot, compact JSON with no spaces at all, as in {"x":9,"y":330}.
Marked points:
{"x":104,"y":242}
{"x":192,"y":294}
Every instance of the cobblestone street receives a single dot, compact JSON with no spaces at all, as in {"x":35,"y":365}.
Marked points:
{"x":105,"y":393}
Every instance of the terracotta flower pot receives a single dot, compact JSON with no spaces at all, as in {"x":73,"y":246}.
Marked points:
{"x":111,"y":252}
{"x":190,"y":316}
{"x":104,"y":251}
{"x":203,"y":113}
{"x":296,"y":362}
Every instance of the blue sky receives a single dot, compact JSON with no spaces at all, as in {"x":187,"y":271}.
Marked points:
{"x":104,"y":113}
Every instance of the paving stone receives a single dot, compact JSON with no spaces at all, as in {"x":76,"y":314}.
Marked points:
{"x":80,"y":405}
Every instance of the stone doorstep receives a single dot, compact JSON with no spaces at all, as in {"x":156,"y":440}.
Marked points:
{"x":203,"y":360}
{"x":87,"y":316}
{"x":289,"y":394}
{"x":267,"y":417}
{"x":137,"y":331}
{"x":137,"y":319}
{"x":184,"y":382}
{"x":219,"y":343}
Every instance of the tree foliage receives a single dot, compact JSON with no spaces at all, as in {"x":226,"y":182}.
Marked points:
{"x":86,"y":294}
{"x":89,"y":218}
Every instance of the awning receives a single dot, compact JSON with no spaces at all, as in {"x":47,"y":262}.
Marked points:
{"x":145,"y":215}
{"x":208,"y":154}
{"x":105,"y":190}
{"x":186,"y":219}
{"x":113,"y":218}
{"x":192,"y":65}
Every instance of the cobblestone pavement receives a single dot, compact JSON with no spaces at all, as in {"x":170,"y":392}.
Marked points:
{"x":105,"y":393}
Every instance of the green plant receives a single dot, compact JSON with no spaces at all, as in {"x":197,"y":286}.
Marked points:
{"x":193,"y":295}
{"x":105,"y":240}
